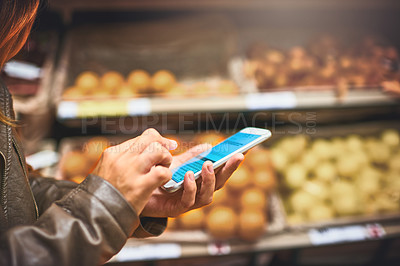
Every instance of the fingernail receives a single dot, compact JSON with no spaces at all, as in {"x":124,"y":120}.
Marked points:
{"x":191,"y":175}
{"x":173,"y":144}
{"x":210,"y":168}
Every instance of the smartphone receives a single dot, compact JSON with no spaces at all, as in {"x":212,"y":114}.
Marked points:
{"x":240,"y":142}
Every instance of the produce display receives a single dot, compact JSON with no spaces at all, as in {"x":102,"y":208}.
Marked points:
{"x":321,"y":179}
{"x":325,"y":61}
{"x":240,"y":208}
{"x":78,"y":162}
{"x":139,"y":82}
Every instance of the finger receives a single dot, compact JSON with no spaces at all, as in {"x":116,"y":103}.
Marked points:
{"x":155,"y":154}
{"x":123,"y":146}
{"x":205,"y":195}
{"x":227,"y":170}
{"x":189,"y":191}
{"x":158,"y":176}
{"x":152,"y":135}
{"x":194,"y":151}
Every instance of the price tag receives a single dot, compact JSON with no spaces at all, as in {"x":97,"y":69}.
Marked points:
{"x":149,"y":252}
{"x":22,"y":70}
{"x":345,"y":234}
{"x":271,"y":100}
{"x":42,"y":159}
{"x":67,"y":110}
{"x":140,"y":106}
{"x":102,"y":108}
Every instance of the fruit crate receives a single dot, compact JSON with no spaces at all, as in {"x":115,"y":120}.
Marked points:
{"x":304,"y":59}
{"x":199,"y":59}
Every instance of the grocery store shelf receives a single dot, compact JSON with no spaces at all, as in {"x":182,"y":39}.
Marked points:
{"x":135,"y":250}
{"x":286,"y":100}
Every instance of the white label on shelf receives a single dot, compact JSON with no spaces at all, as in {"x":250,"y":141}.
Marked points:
{"x":67,"y":109}
{"x":219,"y":248}
{"x":149,"y":252}
{"x":345,"y":234}
{"x":140,"y":106}
{"x":22,"y":70}
{"x":42,"y":159}
{"x":271,"y":100}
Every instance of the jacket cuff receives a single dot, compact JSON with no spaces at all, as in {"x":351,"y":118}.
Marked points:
{"x":150,"y":226}
{"x":113,"y":201}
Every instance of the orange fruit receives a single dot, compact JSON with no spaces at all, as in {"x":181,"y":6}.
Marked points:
{"x":94,"y":148}
{"x":88,"y":82}
{"x":264,"y":179}
{"x":222,"y":223}
{"x":173,"y":224}
{"x":139,"y":81}
{"x":112,"y":81}
{"x":200,"y":89}
{"x":75,"y":164}
{"x":252,"y":224}
{"x":239,"y":179}
{"x":192,"y":220}
{"x":258,"y":159}
{"x":253,"y":198}
{"x":72,"y":93}
{"x":163,"y":80}
{"x":220,"y":197}
{"x":100,"y":94}
{"x":227,"y":87}
{"x":177,"y":90}
{"x":126,"y":92}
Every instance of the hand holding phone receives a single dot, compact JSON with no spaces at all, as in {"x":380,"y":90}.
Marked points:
{"x":240,"y":142}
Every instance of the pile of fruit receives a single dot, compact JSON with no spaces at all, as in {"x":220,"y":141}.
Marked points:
{"x":76,"y":164}
{"x":343,"y":176}
{"x":323,"y":62}
{"x":240,"y":208}
{"x":140,"y":83}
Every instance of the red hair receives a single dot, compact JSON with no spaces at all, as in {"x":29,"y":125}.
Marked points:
{"x":16,"y":20}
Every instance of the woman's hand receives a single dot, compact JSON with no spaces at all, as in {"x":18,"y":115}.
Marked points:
{"x":137,"y":167}
{"x":194,"y":194}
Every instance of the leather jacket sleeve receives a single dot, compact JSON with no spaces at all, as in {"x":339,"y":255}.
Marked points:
{"x":86,"y":227}
{"x":48,"y":190}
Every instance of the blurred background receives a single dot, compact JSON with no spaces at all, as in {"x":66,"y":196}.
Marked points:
{"x":323,"y":76}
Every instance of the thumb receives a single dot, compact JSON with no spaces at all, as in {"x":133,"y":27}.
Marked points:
{"x":157,"y":176}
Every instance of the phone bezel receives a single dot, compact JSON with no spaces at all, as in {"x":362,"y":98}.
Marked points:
{"x":264,"y":134}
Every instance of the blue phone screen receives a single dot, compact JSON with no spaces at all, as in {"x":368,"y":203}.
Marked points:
{"x":218,"y":152}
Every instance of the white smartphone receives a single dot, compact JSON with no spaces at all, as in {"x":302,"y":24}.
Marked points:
{"x":240,"y":142}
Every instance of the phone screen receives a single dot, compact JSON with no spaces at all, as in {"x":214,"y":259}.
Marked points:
{"x":218,"y":152}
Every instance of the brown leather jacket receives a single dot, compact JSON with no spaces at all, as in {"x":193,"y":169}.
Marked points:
{"x":51,"y":222}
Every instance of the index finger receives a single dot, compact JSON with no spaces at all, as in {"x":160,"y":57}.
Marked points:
{"x":151,"y":135}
